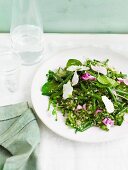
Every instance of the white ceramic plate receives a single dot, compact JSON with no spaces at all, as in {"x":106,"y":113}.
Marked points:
{"x":40,"y":102}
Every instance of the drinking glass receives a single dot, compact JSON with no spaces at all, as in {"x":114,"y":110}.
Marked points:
{"x":26,"y":31}
{"x":9,"y":72}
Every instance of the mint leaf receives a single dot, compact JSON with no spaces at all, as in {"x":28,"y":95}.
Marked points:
{"x":48,"y":88}
{"x":107,"y":81}
{"x":102,"y":79}
{"x":73,"y":62}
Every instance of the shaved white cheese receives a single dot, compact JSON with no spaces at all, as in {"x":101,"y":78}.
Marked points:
{"x":82,"y":68}
{"x":99,"y":69}
{"x":77,"y":68}
{"x":67,"y":90}
{"x":108,"y":104}
{"x":75,"y":79}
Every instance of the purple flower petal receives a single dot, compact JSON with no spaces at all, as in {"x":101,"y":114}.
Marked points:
{"x":121,"y":80}
{"x":98,"y":111}
{"x":88,"y":76}
{"x":108,"y":122}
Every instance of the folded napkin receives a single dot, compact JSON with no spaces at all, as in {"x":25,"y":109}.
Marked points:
{"x":19,"y":138}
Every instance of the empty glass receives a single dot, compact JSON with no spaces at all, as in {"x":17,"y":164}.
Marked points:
{"x":9,"y":72}
{"x":26,"y":31}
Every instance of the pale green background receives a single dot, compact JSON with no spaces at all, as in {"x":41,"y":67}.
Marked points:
{"x":109,"y":16}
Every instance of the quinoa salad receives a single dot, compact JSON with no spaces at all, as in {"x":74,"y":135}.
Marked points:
{"x":88,"y":94}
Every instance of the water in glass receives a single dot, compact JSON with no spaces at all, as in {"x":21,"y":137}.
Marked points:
{"x":27,"y":42}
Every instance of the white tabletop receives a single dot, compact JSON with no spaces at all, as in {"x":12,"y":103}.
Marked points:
{"x":55,"y":152}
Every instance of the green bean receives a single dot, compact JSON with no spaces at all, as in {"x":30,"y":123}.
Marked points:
{"x":57,"y":78}
{"x":112,"y":95}
{"x":122,"y":112}
{"x":86,"y":126}
{"x":65,"y":81}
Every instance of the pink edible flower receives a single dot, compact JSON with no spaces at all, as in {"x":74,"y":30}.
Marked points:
{"x":79,"y":107}
{"x":108,"y":122}
{"x":121,"y":80}
{"x":98,"y":111}
{"x":88,"y":76}
{"x":84,"y":106}
{"x":126,"y":81}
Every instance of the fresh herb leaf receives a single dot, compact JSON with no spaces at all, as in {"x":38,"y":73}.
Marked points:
{"x":73,"y":62}
{"x":107,"y":81}
{"x":49,"y":87}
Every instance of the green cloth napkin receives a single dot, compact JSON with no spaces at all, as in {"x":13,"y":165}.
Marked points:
{"x":19,"y":138}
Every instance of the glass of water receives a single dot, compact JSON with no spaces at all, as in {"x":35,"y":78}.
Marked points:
{"x":26,"y":31}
